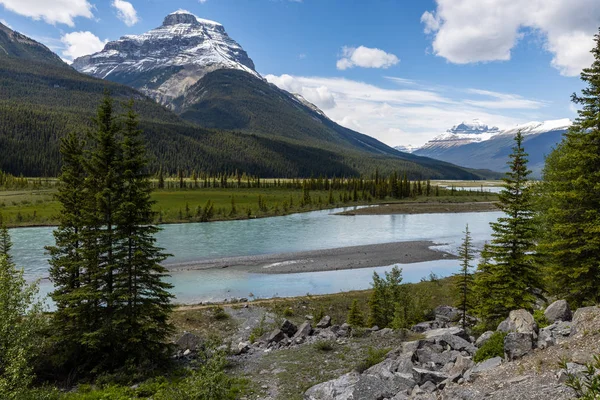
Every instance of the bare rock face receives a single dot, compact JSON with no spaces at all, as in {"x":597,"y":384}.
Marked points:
{"x":325,"y":322}
{"x":558,"y":311}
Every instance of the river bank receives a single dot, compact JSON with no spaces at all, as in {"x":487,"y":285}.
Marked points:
{"x":366,"y":256}
{"x":424,"y":208}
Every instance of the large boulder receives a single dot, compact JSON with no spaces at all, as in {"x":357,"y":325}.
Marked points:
{"x":461,"y":365}
{"x":288,"y":328}
{"x":447,"y":314}
{"x":520,"y":321}
{"x":325,"y":322}
{"x":303,"y":331}
{"x":455,"y":342}
{"x":276,"y":336}
{"x":427,"y":326}
{"x":558,"y":311}
{"x":335,"y":389}
{"x":456,"y":331}
{"x":421,"y":376}
{"x":516,"y":345}
{"x":585,"y":319}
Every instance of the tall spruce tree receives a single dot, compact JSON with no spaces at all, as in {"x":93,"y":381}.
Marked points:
{"x":464,"y":279}
{"x":5,"y":242}
{"x":145,"y":300}
{"x":70,"y":275}
{"x":112,"y":302}
{"x":570,"y":206}
{"x":509,"y":278}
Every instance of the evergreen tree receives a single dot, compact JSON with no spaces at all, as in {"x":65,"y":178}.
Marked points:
{"x":68,"y":271}
{"x":464,"y":279}
{"x":570,"y":206}
{"x":355,"y":317}
{"x":142,"y":316}
{"x":510,"y":279}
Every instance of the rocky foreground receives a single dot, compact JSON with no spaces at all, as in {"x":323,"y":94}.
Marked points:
{"x":440,"y":365}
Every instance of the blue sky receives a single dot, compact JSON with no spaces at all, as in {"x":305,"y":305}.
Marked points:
{"x":438,"y":62}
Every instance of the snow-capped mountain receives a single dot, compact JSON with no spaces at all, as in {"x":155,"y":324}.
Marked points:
{"x":475,"y":145}
{"x":461,"y":134}
{"x":409,"y":148}
{"x":164,"y":62}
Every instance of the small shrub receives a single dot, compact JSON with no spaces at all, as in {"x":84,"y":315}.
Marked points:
{"x":540,"y":319}
{"x":373,"y":357}
{"x":494,"y":347}
{"x":586,"y":387}
{"x":288,"y":312}
{"x":258,"y":330}
{"x":324,"y":345}
{"x":319,"y":315}
{"x":219,"y":313}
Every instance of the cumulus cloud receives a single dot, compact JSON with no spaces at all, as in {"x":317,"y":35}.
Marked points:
{"x":365,"y":57}
{"x":467,"y":31}
{"x":81,"y":44}
{"x":406,"y":115}
{"x":126,"y":12}
{"x":53,"y":12}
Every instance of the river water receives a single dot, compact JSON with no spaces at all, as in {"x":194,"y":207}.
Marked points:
{"x":298,"y":232}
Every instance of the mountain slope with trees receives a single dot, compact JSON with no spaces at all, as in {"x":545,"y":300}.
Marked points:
{"x":42,"y":99}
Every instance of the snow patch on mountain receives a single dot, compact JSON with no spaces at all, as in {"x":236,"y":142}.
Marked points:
{"x":407,"y":148}
{"x":166,"y":61}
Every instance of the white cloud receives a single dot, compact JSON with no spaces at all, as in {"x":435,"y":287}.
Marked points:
{"x":406,"y":115}
{"x":3,"y":22}
{"x":201,"y":1}
{"x":54,"y":11}
{"x":126,"y":12}
{"x":365,"y":57}
{"x":467,"y":31}
{"x":81,"y":44}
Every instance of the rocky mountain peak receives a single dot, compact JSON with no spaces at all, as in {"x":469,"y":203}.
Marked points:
{"x":166,"y":61}
{"x":180,"y":17}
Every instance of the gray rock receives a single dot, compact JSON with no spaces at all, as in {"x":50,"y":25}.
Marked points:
{"x":516,"y":345}
{"x":325,"y":322}
{"x":336,"y":389}
{"x":421,"y":376}
{"x":384,"y":332}
{"x":456,"y":331}
{"x":276,"y":336}
{"x":189,"y":341}
{"x":374,"y":328}
{"x":429,"y":387}
{"x":483,"y":338}
{"x":560,"y":331}
{"x":558,"y":311}
{"x":488,"y":364}
{"x":243,"y":347}
{"x":455,"y":343}
{"x":447,"y":314}
{"x":461,"y":365}
{"x":303,"y":331}
{"x":545,"y":339}
{"x":427,"y":326}
{"x":428,"y":356}
{"x":585,"y":319}
{"x":288,"y":328}
{"x":520,"y":321}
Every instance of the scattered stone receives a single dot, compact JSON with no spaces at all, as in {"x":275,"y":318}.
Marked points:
{"x":545,"y":339}
{"x":288,"y":328}
{"x":187,"y":352}
{"x":384,"y":332}
{"x":373,"y":329}
{"x":309,"y":317}
{"x":455,"y":343}
{"x":427,"y":326}
{"x":243,"y":347}
{"x":516,"y":345}
{"x":276,"y":336}
{"x":483,"y":338}
{"x":429,"y":387}
{"x":460,"y":366}
{"x":486,"y":365}
{"x":424,"y":375}
{"x":558,"y":311}
{"x":325,"y":322}
{"x":340,"y":388}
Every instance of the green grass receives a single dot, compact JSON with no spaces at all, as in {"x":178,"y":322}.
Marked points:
{"x":39,"y":207}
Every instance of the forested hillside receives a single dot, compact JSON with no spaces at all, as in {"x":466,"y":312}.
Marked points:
{"x":42,"y":98}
